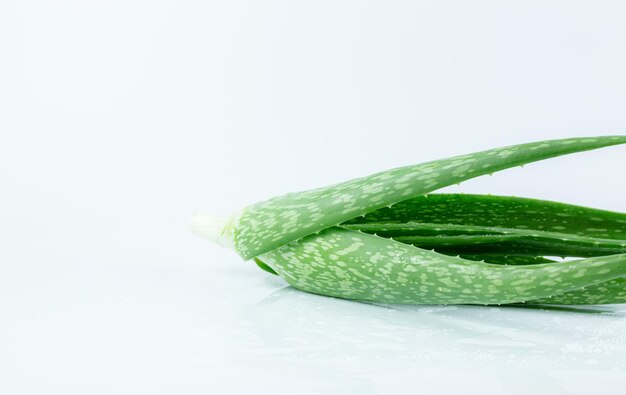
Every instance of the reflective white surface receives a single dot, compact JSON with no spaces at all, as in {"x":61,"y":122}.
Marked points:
{"x":119,"y":119}
{"x":225,"y":326}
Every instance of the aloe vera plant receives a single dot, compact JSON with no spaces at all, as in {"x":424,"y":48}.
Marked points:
{"x":386,"y":238}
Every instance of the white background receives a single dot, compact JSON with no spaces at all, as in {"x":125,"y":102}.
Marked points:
{"x":119,"y":119}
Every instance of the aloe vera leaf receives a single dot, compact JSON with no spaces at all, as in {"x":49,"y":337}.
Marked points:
{"x":411,"y":228}
{"x":354,"y":265}
{"x":525,"y":247}
{"x":270,"y":224}
{"x":495,"y":259}
{"x":500,"y":212}
{"x":518,"y":244}
{"x":263,"y":266}
{"x":508,"y":259}
{"x":419,"y":230}
{"x":470,"y":238}
{"x":397,"y":229}
{"x":608,"y":292}
{"x":433,"y":242}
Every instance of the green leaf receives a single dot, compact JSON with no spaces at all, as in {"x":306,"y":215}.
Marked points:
{"x":354,"y":265}
{"x":411,"y":228}
{"x":608,"y":292}
{"x":483,"y":239}
{"x":493,"y":212}
{"x":268,"y":225}
{"x":508,"y":259}
{"x":523,"y":246}
{"x":263,"y":266}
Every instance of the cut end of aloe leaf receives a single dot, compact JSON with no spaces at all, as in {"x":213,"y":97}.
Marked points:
{"x":216,"y":229}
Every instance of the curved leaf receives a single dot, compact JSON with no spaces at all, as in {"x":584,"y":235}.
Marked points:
{"x":354,"y":265}
{"x":267,"y":225}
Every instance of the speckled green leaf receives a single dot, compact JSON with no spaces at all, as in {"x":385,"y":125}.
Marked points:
{"x":508,"y":259}
{"x":497,"y":212}
{"x":608,"y":292}
{"x":551,"y":244}
{"x":482,"y":239}
{"x":361,"y":239}
{"x":411,"y":228}
{"x":434,"y":242}
{"x":268,"y":225}
{"x":528,"y":247}
{"x":354,"y":265}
